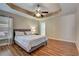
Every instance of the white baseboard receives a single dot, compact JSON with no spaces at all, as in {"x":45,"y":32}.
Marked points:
{"x":61,"y":39}
{"x":77,"y":47}
{"x":66,"y":41}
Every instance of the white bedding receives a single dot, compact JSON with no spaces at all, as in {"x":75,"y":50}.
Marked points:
{"x":28,"y":41}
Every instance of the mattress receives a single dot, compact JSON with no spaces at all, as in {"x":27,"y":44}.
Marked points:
{"x":28,"y":41}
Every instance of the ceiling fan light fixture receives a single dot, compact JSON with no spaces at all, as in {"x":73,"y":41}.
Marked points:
{"x":38,"y":15}
{"x":38,"y":11}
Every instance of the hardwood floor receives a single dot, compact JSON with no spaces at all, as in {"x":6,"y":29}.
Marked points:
{"x":53,"y":48}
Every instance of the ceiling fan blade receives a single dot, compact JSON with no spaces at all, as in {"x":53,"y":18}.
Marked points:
{"x":42,"y":16}
{"x":44,"y":11}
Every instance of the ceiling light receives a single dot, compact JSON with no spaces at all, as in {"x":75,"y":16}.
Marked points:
{"x":38,"y":14}
{"x":38,"y":11}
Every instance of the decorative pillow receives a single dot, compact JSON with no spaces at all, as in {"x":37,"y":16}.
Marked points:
{"x":28,"y":33}
{"x":3,"y":33}
{"x":19,"y":33}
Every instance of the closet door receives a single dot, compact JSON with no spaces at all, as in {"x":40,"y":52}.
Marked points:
{"x":10,"y":23}
{"x":6,"y":30}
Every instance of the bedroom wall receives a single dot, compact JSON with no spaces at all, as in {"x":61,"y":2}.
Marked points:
{"x":20,"y":22}
{"x":25,"y":23}
{"x":77,"y":28}
{"x":51,"y":27}
{"x":61,"y":28}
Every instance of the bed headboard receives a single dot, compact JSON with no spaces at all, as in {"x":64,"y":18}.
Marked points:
{"x":22,"y":30}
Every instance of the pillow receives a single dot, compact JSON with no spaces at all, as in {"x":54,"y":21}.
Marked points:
{"x":4,"y":33}
{"x":19,"y":33}
{"x":28,"y":33}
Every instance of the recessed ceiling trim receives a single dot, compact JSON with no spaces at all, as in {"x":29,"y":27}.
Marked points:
{"x":54,"y":13}
{"x":13,"y":6}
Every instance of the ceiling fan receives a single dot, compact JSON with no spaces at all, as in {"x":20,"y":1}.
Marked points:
{"x":39,"y":12}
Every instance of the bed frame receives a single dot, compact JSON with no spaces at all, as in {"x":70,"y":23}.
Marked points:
{"x":33,"y":48}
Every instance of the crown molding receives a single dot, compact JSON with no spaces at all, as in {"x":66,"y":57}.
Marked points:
{"x":15,"y":7}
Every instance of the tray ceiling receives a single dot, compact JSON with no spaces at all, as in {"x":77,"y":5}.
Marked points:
{"x":66,"y":8}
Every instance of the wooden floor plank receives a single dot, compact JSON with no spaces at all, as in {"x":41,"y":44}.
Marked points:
{"x":53,"y":48}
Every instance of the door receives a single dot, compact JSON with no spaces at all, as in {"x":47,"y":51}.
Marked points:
{"x":42,"y":28}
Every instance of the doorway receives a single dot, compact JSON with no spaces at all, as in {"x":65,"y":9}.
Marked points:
{"x":42,"y":28}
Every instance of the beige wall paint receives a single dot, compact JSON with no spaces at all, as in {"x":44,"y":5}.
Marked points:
{"x":66,"y":28}
{"x":51,"y":27}
{"x":20,"y":22}
{"x":77,"y":28}
{"x":61,"y":28}
{"x":25,"y":23}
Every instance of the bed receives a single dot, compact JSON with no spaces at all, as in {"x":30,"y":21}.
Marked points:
{"x":29,"y":42}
